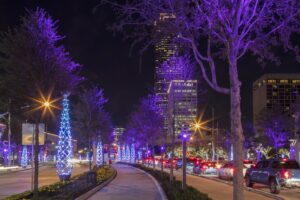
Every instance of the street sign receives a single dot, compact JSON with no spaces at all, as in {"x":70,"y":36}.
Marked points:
{"x":28,"y":130}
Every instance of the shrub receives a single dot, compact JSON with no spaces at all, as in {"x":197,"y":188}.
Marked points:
{"x":68,"y":189}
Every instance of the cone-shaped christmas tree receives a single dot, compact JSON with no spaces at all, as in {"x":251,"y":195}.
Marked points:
{"x":24,"y":157}
{"x":64,"y":151}
{"x":99,"y":155}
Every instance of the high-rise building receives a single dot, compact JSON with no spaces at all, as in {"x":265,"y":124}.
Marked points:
{"x":275,"y":90}
{"x":182,"y":104}
{"x":117,"y":133}
{"x":164,"y":49}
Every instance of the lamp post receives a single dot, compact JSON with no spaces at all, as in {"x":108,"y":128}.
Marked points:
{"x":184,"y":137}
{"x":43,"y":104}
{"x":162,"y":148}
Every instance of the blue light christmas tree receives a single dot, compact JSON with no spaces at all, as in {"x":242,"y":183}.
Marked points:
{"x":24,"y":157}
{"x":132,"y":154}
{"x":99,"y":155}
{"x":119,"y":153}
{"x":64,"y":152}
{"x":127,"y":153}
{"x":123,"y":153}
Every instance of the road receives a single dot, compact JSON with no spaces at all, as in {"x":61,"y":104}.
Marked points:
{"x":215,"y":190}
{"x":130,"y":184}
{"x":288,"y":194}
{"x":17,"y":182}
{"x":285,"y":193}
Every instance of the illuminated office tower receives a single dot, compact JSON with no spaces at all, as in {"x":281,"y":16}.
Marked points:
{"x":182,"y":104}
{"x":164,"y":49}
{"x":273,"y":90}
{"x":117,"y":133}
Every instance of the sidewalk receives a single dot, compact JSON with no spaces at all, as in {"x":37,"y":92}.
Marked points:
{"x":130,"y":184}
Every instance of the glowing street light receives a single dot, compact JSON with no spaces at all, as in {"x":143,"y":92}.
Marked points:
{"x":43,"y":104}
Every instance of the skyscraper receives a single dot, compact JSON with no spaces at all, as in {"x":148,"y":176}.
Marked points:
{"x":182,"y":104}
{"x":164,"y":49}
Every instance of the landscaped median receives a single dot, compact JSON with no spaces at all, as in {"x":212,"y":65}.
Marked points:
{"x":72,"y":189}
{"x":173,"y":190}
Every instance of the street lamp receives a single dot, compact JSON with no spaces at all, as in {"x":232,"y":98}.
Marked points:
{"x":43,"y":104}
{"x":184,"y":137}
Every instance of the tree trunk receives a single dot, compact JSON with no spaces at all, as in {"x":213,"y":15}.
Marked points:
{"x":36,"y":162}
{"x":236,"y":129}
{"x":172,"y":156}
{"x":90,"y":156}
{"x":153,"y":156}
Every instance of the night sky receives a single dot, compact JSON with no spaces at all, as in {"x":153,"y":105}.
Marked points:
{"x":107,"y":61}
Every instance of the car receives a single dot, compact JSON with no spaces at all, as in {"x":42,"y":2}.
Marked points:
{"x":227,"y":170}
{"x":205,"y":168}
{"x":190,"y":166}
{"x":179,"y":163}
{"x":248,"y":163}
{"x":276,"y":173}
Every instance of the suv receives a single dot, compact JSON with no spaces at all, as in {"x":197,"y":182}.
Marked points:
{"x":274,"y":172}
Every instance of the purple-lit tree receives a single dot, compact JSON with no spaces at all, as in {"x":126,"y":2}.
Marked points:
{"x":178,"y":68}
{"x":33,"y":60}
{"x":216,"y":30}
{"x":145,"y":125}
{"x":91,"y":122}
{"x":276,"y":126}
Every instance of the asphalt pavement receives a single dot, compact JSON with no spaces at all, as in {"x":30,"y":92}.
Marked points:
{"x":17,"y":182}
{"x":215,"y":190}
{"x":130,"y":184}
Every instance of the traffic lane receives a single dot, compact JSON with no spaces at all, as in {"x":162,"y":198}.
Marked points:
{"x":286,"y":193}
{"x":17,"y":182}
{"x":216,"y":190}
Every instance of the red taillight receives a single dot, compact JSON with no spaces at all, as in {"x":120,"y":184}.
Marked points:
{"x":286,"y":175}
{"x":197,"y":162}
{"x":204,"y":167}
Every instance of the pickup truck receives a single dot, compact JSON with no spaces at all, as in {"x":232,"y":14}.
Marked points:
{"x":275,"y":173}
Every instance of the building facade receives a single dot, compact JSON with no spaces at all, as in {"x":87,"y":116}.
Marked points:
{"x":164,"y":49}
{"x":117,"y":133}
{"x":182,"y":104}
{"x":275,"y":90}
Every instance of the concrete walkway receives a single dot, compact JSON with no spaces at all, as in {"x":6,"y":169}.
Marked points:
{"x":130,"y":184}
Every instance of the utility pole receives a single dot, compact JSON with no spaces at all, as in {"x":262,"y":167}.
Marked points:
{"x":9,"y":133}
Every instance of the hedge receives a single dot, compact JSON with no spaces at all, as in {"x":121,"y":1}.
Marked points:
{"x":72,"y":189}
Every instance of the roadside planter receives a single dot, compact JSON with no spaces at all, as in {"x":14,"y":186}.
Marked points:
{"x":71,"y":189}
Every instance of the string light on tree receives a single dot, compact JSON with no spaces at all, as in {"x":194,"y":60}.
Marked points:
{"x":123,"y":153}
{"x":64,"y":152}
{"x":127,"y":153}
{"x":119,"y":153}
{"x":24,"y":157}
{"x":132,"y":154}
{"x":99,"y":155}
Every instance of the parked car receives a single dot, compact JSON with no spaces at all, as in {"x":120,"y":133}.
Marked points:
{"x":248,"y":163}
{"x":179,"y":163}
{"x":205,"y":168}
{"x":275,"y":173}
{"x":227,"y":170}
{"x":190,"y":166}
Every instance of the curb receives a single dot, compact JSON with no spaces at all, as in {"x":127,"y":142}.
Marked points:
{"x":160,"y":190}
{"x":97,"y":188}
{"x":245,"y":188}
